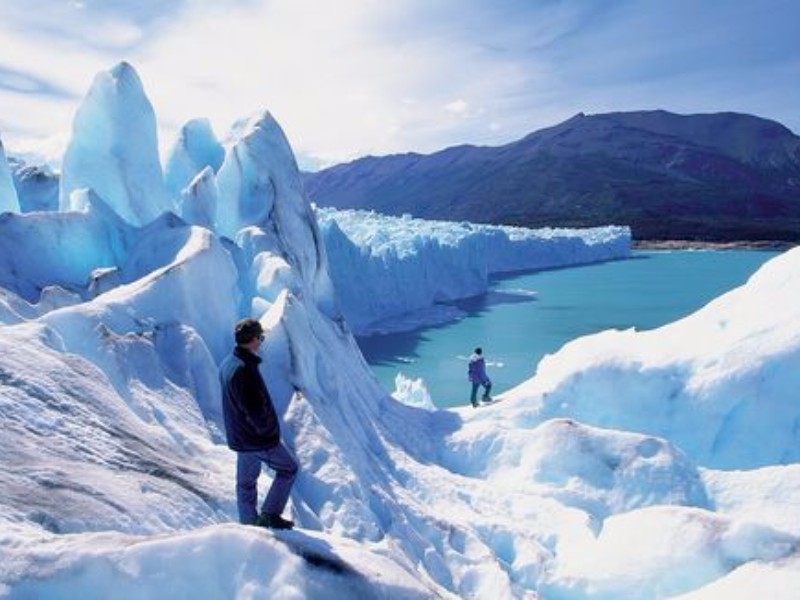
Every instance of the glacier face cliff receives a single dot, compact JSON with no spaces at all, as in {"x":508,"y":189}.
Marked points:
{"x":387,"y":267}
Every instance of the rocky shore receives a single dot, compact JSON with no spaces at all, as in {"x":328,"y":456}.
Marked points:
{"x":698,"y":244}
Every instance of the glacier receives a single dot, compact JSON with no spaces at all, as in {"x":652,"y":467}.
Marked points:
{"x":9,"y":200}
{"x":657,"y":464}
{"x":195,"y":149}
{"x":114,"y":149}
{"x":392,"y":273}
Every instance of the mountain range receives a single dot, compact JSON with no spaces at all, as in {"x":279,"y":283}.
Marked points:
{"x":717,"y":177}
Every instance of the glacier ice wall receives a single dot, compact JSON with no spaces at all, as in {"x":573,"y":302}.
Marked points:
{"x":384,"y":267}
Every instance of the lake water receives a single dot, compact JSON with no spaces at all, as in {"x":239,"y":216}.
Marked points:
{"x":525,"y":316}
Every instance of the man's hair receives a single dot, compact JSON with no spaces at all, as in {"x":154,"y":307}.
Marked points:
{"x":247,"y":330}
{"x":478,"y":350}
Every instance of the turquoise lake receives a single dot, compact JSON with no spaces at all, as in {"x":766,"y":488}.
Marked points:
{"x":525,"y":316}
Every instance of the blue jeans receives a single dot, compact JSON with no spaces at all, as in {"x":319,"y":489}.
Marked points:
{"x":248,"y":468}
{"x":487,"y":387}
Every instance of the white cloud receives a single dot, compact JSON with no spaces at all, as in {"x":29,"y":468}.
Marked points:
{"x":343,"y":80}
{"x":357,"y":77}
{"x":457,"y":106}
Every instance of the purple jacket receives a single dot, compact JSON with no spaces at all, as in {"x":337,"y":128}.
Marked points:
{"x":477,"y":369}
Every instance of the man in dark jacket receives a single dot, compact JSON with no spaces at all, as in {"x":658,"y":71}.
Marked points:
{"x":253,"y":431}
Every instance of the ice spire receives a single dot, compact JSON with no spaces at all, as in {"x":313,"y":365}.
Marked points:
{"x":114,"y":149}
{"x":9,"y":202}
{"x":196,"y":148}
{"x":259,"y":185}
{"x":198,"y":200}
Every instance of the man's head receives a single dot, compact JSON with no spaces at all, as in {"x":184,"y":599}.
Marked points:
{"x":478,"y":351}
{"x":248,"y":331}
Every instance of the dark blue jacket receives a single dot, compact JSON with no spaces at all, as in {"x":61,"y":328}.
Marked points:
{"x":251,"y":422}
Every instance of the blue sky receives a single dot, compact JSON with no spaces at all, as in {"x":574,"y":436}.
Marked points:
{"x":347,"y":78}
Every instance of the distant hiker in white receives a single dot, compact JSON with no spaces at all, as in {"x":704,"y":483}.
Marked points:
{"x":477,"y":375}
{"x":253,"y":431}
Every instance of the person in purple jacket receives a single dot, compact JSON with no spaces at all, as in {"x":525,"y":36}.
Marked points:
{"x":477,"y":375}
{"x":253,"y":431}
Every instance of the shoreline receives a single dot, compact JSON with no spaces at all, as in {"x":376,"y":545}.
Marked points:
{"x":702,"y":245}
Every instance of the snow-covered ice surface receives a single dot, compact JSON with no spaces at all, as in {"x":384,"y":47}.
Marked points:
{"x":393,"y":273}
{"x":634,"y":465}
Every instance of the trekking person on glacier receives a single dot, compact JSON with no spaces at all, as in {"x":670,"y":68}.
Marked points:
{"x":477,"y":375}
{"x":253,"y":431}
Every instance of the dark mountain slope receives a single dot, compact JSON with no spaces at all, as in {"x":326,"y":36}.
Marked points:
{"x":716,"y":177}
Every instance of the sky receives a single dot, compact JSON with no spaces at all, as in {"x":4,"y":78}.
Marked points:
{"x":350,"y":78}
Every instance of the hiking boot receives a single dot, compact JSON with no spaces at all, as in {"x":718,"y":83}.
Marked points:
{"x":273,"y":521}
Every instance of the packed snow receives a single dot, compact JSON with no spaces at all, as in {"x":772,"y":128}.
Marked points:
{"x":633,"y":465}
